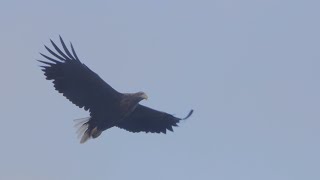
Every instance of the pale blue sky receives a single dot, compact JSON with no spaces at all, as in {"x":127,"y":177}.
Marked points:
{"x":249,"y":69}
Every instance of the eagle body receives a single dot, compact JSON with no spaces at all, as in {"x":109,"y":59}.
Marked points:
{"x":107,"y":107}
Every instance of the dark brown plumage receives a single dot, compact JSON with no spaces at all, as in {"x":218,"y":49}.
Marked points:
{"x":107,"y":107}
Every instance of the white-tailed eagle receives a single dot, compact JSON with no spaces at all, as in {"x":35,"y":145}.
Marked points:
{"x":107,"y":107}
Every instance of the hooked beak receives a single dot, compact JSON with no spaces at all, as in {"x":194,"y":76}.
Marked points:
{"x":144,"y":96}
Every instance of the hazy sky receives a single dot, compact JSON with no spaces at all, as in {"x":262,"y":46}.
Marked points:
{"x":249,"y":69}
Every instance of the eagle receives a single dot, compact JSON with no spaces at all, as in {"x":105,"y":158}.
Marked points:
{"x":108,"y":107}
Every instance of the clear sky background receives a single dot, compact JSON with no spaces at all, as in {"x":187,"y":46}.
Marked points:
{"x":249,"y":69}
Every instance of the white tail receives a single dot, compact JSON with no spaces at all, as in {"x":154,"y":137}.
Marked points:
{"x":86,"y":131}
{"x":82,"y":129}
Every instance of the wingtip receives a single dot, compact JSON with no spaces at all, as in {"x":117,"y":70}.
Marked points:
{"x":190,"y":113}
{"x":74,"y":52}
{"x":61,"y":40}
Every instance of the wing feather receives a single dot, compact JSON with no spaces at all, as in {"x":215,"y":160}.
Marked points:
{"x":53,"y":53}
{"x":74,"y":52}
{"x":149,"y":120}
{"x":76,"y":81}
{"x":58,"y":50}
{"x":65,"y":48}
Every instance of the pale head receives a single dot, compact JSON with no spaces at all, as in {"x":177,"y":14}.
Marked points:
{"x":134,"y":98}
{"x":141,"y":95}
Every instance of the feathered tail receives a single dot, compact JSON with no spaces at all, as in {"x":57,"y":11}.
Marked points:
{"x":85,"y":130}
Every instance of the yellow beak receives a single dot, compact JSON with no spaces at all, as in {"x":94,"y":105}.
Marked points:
{"x":144,"y":96}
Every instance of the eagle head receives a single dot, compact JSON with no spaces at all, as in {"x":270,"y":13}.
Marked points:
{"x":141,"y":95}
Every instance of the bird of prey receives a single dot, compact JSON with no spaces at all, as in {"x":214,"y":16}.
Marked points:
{"x":107,"y":107}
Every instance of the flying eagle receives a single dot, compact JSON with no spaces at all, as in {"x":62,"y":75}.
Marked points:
{"x":107,"y":107}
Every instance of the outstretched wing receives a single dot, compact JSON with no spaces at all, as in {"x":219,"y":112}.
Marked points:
{"x":149,"y":120}
{"x":75,"y":80}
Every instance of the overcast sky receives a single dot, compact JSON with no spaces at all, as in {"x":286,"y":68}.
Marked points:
{"x":249,"y":69}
